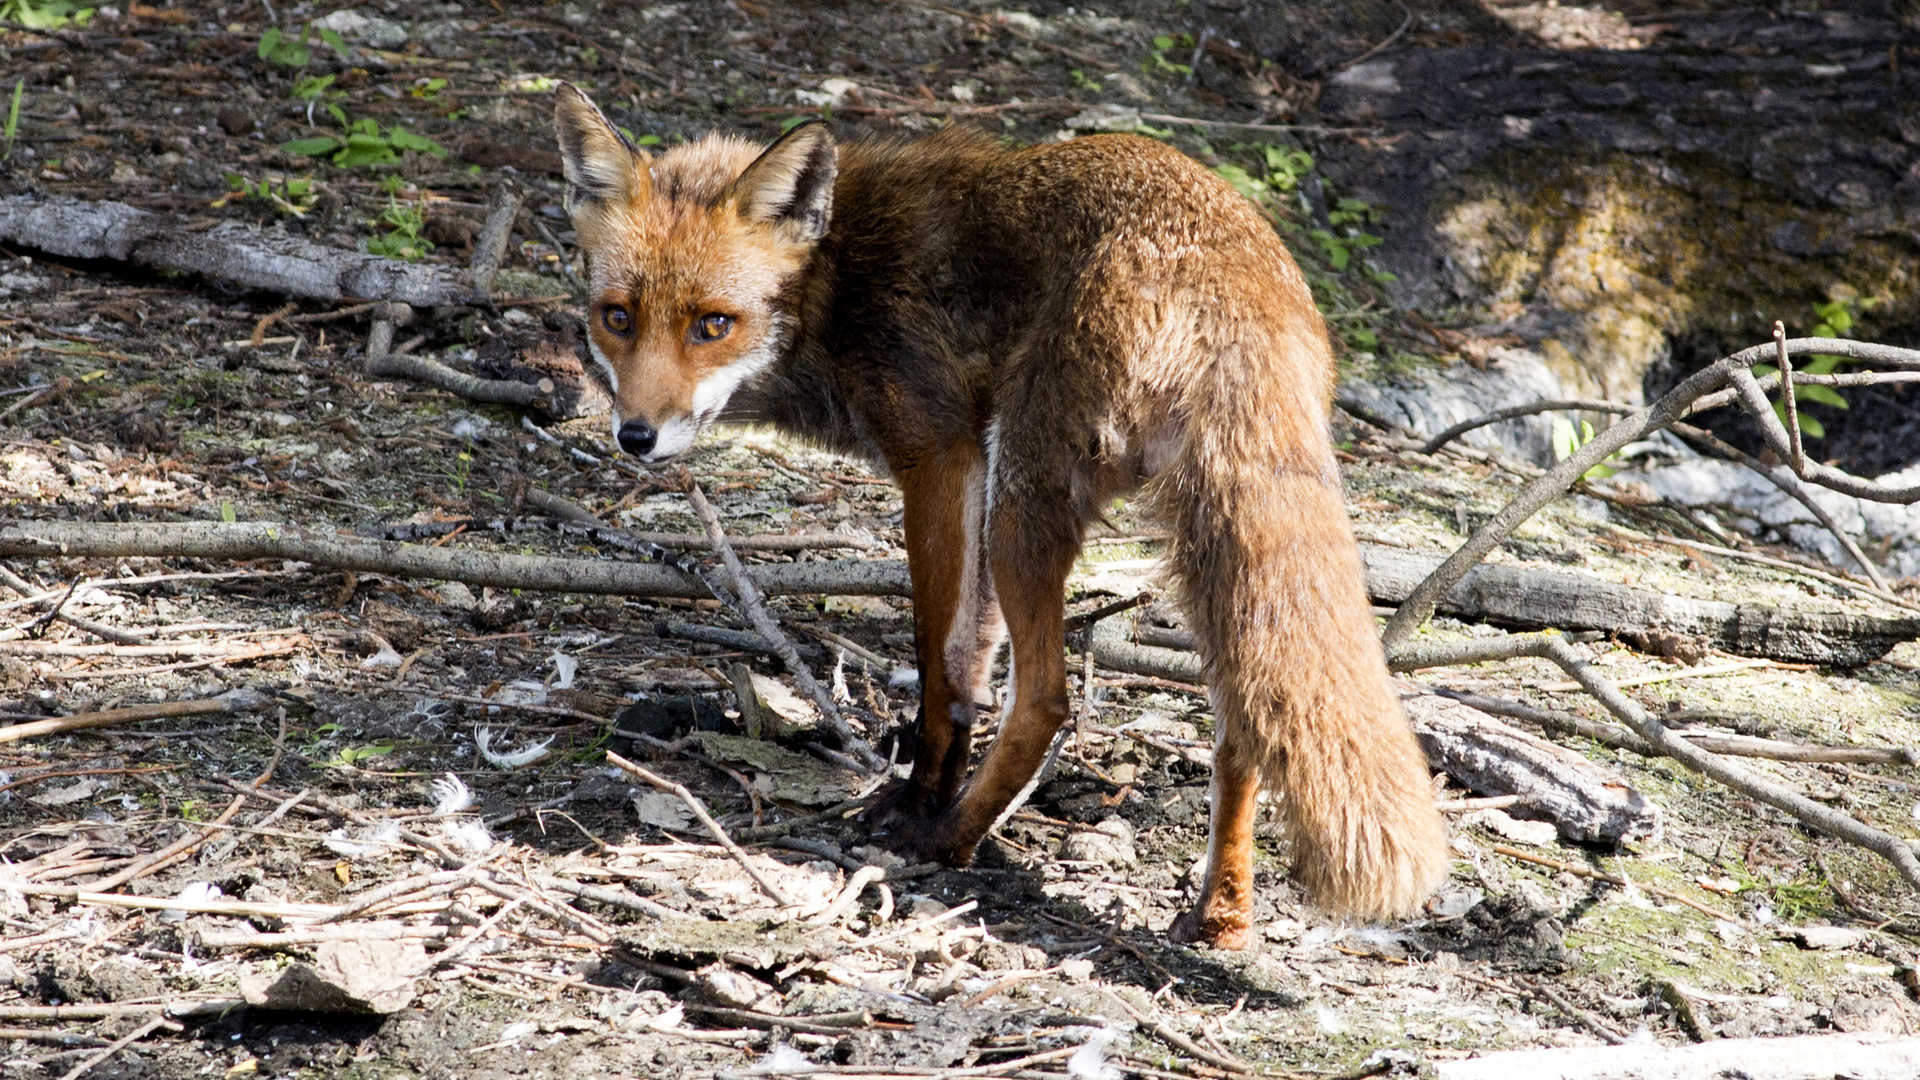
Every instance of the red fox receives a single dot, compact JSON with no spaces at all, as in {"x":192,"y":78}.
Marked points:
{"x":1017,"y":336}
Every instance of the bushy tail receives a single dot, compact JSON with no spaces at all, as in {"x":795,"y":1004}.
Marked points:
{"x":1275,"y":597}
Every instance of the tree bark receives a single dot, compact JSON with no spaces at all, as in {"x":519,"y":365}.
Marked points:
{"x":1566,"y":600}
{"x":276,"y":262}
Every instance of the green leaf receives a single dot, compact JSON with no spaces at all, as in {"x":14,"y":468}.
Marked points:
{"x":647,"y":140}
{"x":362,"y":149}
{"x":312,"y":147}
{"x":1823,"y":330}
{"x":1163,"y":42}
{"x":1363,"y":337}
{"x":1565,"y":440}
{"x":402,"y":139}
{"x":1811,"y":428}
{"x":1761,"y":371}
{"x":1822,"y":364}
{"x":1819,"y":395}
{"x":311,"y":87}
{"x":226,"y":513}
{"x":335,"y":42}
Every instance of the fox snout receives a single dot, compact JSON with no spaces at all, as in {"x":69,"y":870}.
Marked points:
{"x":636,"y":437}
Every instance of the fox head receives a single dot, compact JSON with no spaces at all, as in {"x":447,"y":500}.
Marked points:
{"x":689,"y":256}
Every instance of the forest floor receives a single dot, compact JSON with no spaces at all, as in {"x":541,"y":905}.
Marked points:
{"x":614,"y":937}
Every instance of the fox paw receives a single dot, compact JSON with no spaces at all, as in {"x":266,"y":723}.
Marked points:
{"x":1228,"y":931}
{"x":905,"y":823}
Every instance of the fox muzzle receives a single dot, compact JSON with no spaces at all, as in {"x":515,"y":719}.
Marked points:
{"x":637,"y":437}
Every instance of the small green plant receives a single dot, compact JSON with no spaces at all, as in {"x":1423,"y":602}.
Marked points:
{"x":317,"y":90}
{"x":44,"y":14}
{"x":1157,"y":63}
{"x":404,"y":221}
{"x":289,"y":195}
{"x":193,"y":810}
{"x":1346,"y":237}
{"x":1567,"y":440}
{"x":363,"y":143}
{"x":354,"y":757}
{"x":1081,"y":81}
{"x":460,"y":471}
{"x":278,"y":48}
{"x":427,"y":89}
{"x":1836,"y":320}
{"x":13,"y":115}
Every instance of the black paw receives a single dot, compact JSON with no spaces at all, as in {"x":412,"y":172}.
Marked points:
{"x":908,"y":823}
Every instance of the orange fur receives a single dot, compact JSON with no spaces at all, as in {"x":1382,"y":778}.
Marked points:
{"x":1019,"y":336}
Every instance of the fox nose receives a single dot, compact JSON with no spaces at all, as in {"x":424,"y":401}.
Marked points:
{"x":637,"y":437}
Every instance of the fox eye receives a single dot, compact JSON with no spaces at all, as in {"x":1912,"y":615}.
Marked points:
{"x":617,"y":320}
{"x":712,"y":327}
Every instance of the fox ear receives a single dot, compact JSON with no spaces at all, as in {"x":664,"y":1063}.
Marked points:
{"x":601,"y":165}
{"x":791,"y":185}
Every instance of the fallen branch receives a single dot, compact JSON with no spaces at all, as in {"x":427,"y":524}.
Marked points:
{"x":755,"y":612}
{"x":1787,"y":482}
{"x":100,"y":630}
{"x":124,"y":1041}
{"x":239,"y":700}
{"x":1585,"y":801}
{"x":384,"y":361}
{"x":275,"y":262}
{"x":1420,"y":602}
{"x":1664,"y":741}
{"x":1514,"y":412}
{"x":248,"y":541}
{"x":1565,"y":599}
{"x":491,"y":245}
{"x":713,"y":828}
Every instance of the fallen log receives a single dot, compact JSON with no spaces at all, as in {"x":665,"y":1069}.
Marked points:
{"x":260,"y":259}
{"x":1587,"y":802}
{"x":245,"y":541}
{"x":1800,"y":1057}
{"x":1564,"y":600}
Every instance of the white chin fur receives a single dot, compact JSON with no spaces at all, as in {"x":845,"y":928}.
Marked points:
{"x":675,"y":436}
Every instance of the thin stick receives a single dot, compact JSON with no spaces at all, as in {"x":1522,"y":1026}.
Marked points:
{"x":1587,"y":1020}
{"x":1789,"y":398}
{"x":120,"y":1044}
{"x":1382,"y":47}
{"x":491,"y":246}
{"x":1790,"y":483}
{"x":755,"y":611}
{"x":713,"y":827}
{"x":231,"y":701}
{"x":1180,"y":1042}
{"x":856,"y":885}
{"x":1596,"y":875}
{"x":1514,"y":412}
{"x":100,"y":630}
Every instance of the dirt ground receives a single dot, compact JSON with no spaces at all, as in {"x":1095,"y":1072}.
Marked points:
{"x":600,"y":929}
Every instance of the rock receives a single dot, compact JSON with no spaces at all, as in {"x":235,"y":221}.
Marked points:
{"x":369,"y":29}
{"x":1531,"y":833}
{"x":365,"y":977}
{"x":1431,"y":399}
{"x":1110,"y":842}
{"x":733,"y":989}
{"x":1826,"y":937}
